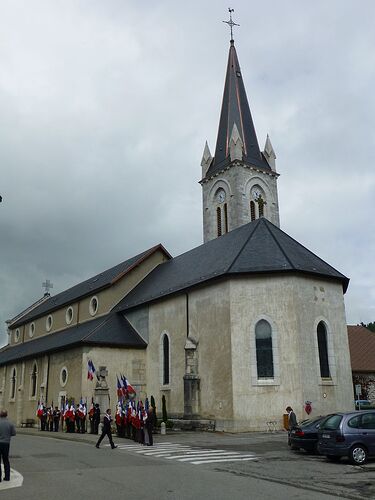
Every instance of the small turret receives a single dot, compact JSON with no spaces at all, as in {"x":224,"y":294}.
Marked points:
{"x":235,"y":145}
{"x":206,"y":160}
{"x":269,"y":154}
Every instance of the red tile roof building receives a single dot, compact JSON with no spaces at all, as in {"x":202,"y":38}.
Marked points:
{"x":362,"y":355}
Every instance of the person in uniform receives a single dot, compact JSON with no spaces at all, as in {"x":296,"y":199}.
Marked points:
{"x":50,"y":418}
{"x":43,"y":419}
{"x":149,"y":426}
{"x":106,"y":430}
{"x":96,"y":418}
{"x":56,"y":415}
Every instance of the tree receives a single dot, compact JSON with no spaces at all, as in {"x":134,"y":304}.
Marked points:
{"x":153,"y":404}
{"x":164,"y":409}
{"x":369,"y":326}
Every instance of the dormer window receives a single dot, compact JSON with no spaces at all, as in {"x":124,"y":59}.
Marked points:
{"x":69,"y":315}
{"x":49,"y":323}
{"x":31,"y":329}
{"x":17,"y":335}
{"x":93,"y":307}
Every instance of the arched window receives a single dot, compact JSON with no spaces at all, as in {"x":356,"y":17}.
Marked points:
{"x":226,"y":217}
{"x":218,"y":218}
{"x":33,"y":381}
{"x":252,"y":210}
{"x":13,"y":384}
{"x":323,"y":350}
{"x":165,"y":360}
{"x":263,"y":345}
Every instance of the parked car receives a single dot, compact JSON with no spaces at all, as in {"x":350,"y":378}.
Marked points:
{"x":362,"y":404}
{"x":305,"y":436}
{"x":349,"y":435}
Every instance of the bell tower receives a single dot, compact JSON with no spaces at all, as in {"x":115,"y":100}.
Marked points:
{"x":239,"y":183}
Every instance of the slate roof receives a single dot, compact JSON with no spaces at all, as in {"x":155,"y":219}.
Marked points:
{"x":257,"y":247}
{"x":235,"y":109}
{"x":112,"y":329}
{"x":362,"y":348}
{"x":88,"y":287}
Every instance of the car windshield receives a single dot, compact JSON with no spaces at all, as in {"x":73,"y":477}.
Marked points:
{"x":332,"y":423}
{"x":310,"y":421}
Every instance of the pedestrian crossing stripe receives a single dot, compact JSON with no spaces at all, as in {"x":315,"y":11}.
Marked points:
{"x":185,"y":453}
{"x":198,"y":462}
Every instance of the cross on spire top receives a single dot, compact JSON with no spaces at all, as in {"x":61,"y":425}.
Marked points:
{"x":231,"y":23}
{"x":47,"y":285}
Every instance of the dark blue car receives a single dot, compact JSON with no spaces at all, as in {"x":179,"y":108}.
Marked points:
{"x":305,"y":435}
{"x":349,"y":435}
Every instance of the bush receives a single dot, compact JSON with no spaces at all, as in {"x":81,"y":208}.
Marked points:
{"x":164,"y":409}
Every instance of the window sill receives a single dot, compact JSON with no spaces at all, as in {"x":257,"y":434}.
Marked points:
{"x":165,"y":388}
{"x":266,"y":381}
{"x":326,"y":381}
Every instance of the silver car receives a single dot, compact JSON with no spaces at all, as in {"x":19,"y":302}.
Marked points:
{"x":349,"y":435}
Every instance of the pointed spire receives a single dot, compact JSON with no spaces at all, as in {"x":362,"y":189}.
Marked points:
{"x":206,"y":159}
{"x":235,"y":145}
{"x":235,"y":110}
{"x":269,"y":153}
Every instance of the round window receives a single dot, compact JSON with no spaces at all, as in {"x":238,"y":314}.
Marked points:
{"x":93,"y":306}
{"x":69,"y":315}
{"x":49,"y":322}
{"x":31,"y":329}
{"x":63,"y":376}
{"x":17,"y":335}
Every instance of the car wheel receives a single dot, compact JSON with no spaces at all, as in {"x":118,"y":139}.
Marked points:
{"x":333,"y":458}
{"x":358,"y":455}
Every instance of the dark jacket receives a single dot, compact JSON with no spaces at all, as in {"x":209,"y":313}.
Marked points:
{"x":292,"y":420}
{"x":7,"y":430}
{"x":107,"y":423}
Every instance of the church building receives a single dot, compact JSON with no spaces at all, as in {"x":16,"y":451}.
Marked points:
{"x":232,"y":331}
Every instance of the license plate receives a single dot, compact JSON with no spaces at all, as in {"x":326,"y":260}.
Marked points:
{"x":326,"y":436}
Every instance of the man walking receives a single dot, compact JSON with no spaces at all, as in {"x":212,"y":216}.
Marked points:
{"x":292,"y":421}
{"x":7,"y":430}
{"x":107,"y":430}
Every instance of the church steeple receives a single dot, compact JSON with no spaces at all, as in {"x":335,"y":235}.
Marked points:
{"x":235,"y":112}
{"x":239,"y":184}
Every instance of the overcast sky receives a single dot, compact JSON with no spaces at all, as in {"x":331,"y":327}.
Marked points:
{"x":105,"y":107}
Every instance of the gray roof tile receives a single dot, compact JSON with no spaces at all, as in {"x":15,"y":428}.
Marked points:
{"x":257,"y":247}
{"x":87,"y":287}
{"x":111,"y":330}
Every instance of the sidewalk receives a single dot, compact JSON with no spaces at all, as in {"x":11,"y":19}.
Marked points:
{"x":194,"y":438}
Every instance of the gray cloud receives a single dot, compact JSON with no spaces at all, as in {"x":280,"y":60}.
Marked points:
{"x":105,"y":107}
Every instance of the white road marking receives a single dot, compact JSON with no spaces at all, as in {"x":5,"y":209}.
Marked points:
{"x":16,"y":480}
{"x":198,"y":462}
{"x":188,"y":454}
{"x":205,"y":454}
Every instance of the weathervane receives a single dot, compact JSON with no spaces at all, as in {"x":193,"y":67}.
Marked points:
{"x":231,"y":23}
{"x":47,"y":285}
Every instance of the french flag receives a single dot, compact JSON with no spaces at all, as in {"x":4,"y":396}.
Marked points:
{"x":119,"y":388}
{"x":90,"y":370}
{"x":129,"y":388}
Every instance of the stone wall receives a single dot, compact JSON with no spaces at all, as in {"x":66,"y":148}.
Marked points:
{"x":237,"y":183}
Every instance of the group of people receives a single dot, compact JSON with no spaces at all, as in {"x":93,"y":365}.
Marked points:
{"x":136,"y":421}
{"x":73,"y":416}
{"x":49,"y":418}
